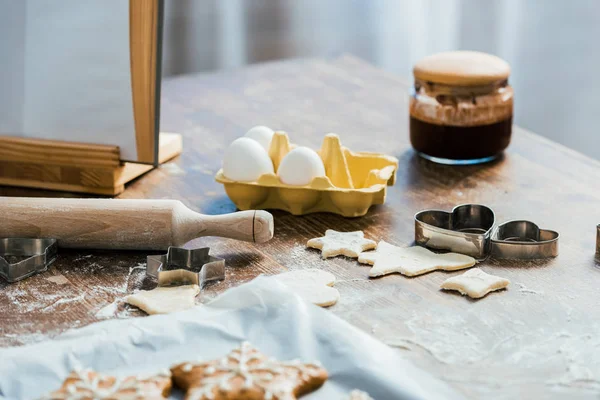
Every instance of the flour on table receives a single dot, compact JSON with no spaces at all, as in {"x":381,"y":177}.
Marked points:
{"x":525,"y":289}
{"x":475,"y":283}
{"x":349,"y":244}
{"x":411,"y":261}
{"x":313,"y":285}
{"x":164,"y":300}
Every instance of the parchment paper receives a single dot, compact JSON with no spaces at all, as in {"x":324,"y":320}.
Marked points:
{"x":261,"y":311}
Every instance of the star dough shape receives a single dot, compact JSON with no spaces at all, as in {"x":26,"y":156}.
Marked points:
{"x":349,"y":244}
{"x":164,"y":300}
{"x":475,"y":283}
{"x":90,"y":385}
{"x":411,"y":261}
{"x":358,"y":395}
{"x":245,"y":373}
{"x":313,"y":285}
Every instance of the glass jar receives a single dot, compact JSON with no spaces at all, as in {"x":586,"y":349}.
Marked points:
{"x":461,"y":107}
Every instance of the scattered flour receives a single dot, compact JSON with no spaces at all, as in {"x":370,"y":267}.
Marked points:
{"x":108,"y":311}
{"x":59,"y":302}
{"x":524,"y":289}
{"x":172,"y":169}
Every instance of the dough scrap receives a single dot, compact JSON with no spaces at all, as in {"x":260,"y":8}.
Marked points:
{"x":313,"y":285}
{"x":164,"y":300}
{"x":358,"y":395}
{"x":475,"y":283}
{"x":349,"y":244}
{"x":411,"y":261}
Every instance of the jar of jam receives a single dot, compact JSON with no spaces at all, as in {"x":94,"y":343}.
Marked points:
{"x":461,"y":107}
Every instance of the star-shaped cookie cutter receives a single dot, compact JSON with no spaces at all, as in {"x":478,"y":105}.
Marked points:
{"x":40,"y":254}
{"x":185,"y":267}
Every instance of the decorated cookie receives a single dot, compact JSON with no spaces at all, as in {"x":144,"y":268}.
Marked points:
{"x":475,"y":283}
{"x":164,"y":300}
{"x":245,"y":373}
{"x":358,"y":395}
{"x":411,"y":261}
{"x":90,"y":385}
{"x":349,"y":244}
{"x":313,"y":285}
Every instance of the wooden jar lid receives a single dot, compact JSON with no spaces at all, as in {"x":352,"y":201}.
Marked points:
{"x":462,"y":68}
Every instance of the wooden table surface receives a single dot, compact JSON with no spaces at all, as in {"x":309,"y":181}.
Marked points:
{"x":538,"y":339}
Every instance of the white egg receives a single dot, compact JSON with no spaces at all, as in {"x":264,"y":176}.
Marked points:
{"x":245,"y":160}
{"x":262,"y":134}
{"x":300,"y":166}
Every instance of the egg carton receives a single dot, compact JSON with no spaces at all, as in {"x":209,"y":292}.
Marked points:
{"x":355,"y":181}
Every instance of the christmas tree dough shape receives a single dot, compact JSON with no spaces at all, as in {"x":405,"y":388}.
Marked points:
{"x":411,"y":261}
{"x":313,"y":285}
{"x":164,"y":300}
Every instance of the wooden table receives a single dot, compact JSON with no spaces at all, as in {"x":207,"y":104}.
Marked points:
{"x":539,"y":339}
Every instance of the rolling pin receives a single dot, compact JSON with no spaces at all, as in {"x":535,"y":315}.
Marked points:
{"x":124,"y":224}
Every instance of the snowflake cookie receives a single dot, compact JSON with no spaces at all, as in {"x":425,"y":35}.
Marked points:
{"x":411,"y":261}
{"x":349,"y":244}
{"x":358,"y":395}
{"x":245,"y":373}
{"x":90,"y":385}
{"x":475,"y":283}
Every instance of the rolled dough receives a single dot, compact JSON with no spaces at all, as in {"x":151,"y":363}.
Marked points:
{"x":475,"y":283}
{"x":164,"y":300}
{"x":313,"y":285}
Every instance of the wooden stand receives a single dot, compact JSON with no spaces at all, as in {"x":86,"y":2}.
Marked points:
{"x":74,"y":167}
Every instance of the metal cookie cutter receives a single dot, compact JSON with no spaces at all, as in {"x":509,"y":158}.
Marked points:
{"x":523,"y":240}
{"x":469,"y":229}
{"x":40,"y":254}
{"x":183,"y":267}
{"x":466,"y":229}
{"x":598,"y":240}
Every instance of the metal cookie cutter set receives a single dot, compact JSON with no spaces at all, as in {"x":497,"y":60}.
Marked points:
{"x":470,"y":229}
{"x":39,"y":253}
{"x":183,"y":267}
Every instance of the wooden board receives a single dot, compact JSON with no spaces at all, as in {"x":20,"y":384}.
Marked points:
{"x":539,"y":339}
{"x":83,"y":175}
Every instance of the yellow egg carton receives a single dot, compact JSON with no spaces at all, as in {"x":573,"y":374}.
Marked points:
{"x":354,"y":182}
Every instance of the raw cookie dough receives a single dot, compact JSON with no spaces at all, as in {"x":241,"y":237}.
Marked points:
{"x":411,"y":261}
{"x":245,"y":373}
{"x":349,"y":244}
{"x":313,"y":285}
{"x":475,"y":283}
{"x":164,"y":300}
{"x":358,"y":395}
{"x":88,"y":384}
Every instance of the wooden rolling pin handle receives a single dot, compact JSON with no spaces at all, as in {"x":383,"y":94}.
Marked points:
{"x":251,"y":226}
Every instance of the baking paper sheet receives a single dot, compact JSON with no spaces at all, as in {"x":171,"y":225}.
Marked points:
{"x":262,"y":312}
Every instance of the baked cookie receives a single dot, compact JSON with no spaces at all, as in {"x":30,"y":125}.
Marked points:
{"x":349,"y":244}
{"x":411,"y":261}
{"x":475,"y":283}
{"x":358,"y":395}
{"x":246,"y":374}
{"x":90,"y":385}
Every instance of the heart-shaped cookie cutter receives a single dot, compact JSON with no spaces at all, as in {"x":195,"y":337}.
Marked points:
{"x":523,"y":240}
{"x":470,"y":229}
{"x":466,"y":229}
